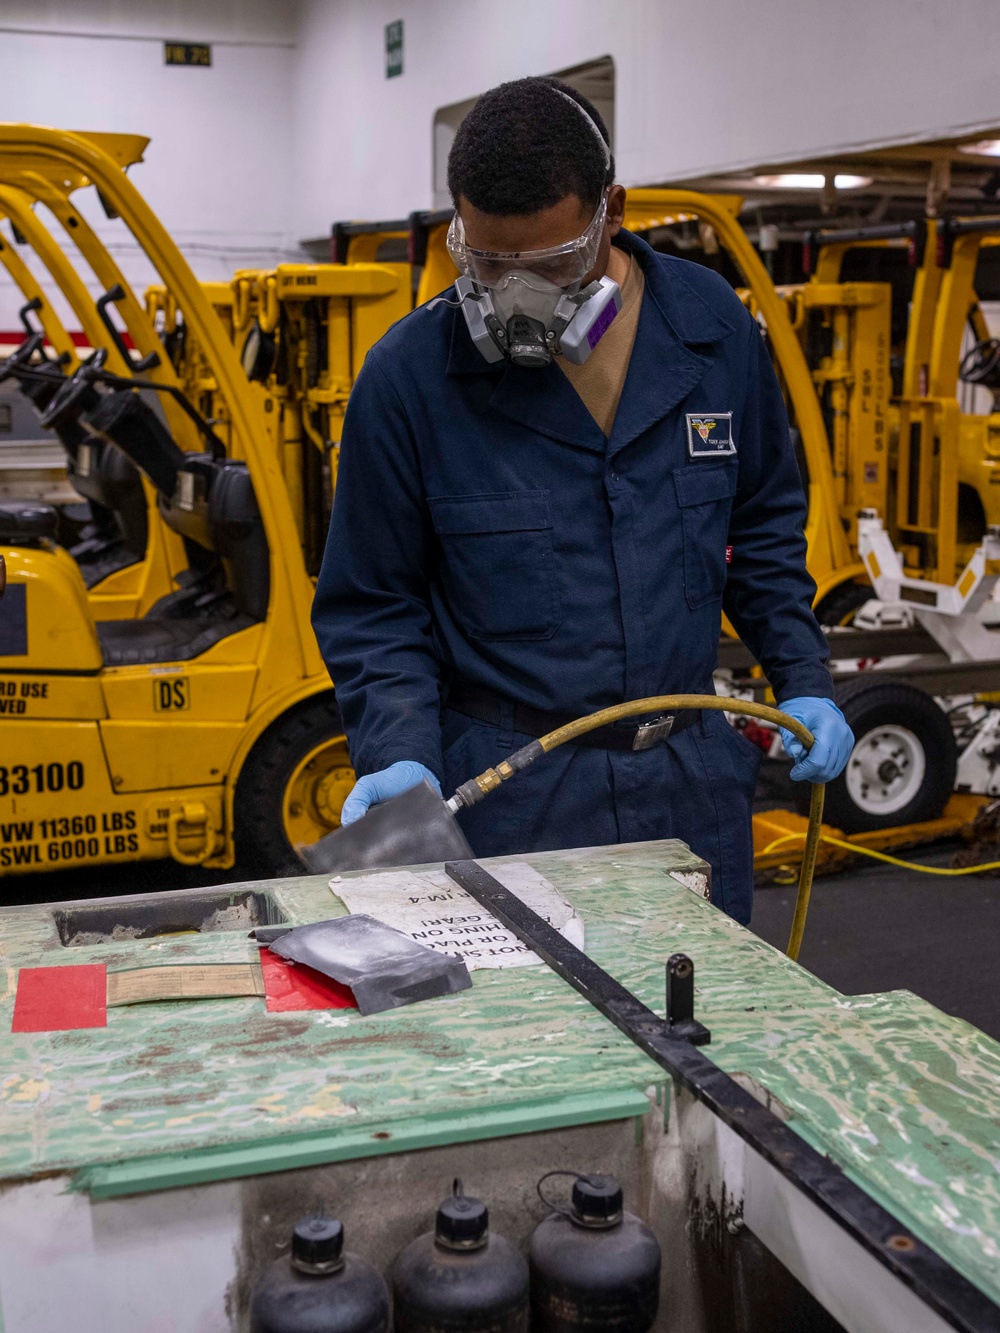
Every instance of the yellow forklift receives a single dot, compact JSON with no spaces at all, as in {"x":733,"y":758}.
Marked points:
{"x":302,"y":332}
{"x":138,"y":584}
{"x":924,"y":714}
{"x":943,"y":488}
{"x":194,"y":373}
{"x":158,"y":735}
{"x":896,"y":439}
{"x":879,"y":430}
{"x":832,"y":555}
{"x":127,"y":558}
{"x":421,"y":239}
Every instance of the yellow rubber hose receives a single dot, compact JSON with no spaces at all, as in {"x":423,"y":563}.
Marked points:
{"x":949,"y":871}
{"x":470,"y":793}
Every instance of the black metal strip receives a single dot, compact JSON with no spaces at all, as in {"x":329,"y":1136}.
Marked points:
{"x":425,"y":218}
{"x":48,"y":671}
{"x":432,"y":218}
{"x":931,"y":1277}
{"x":969,"y":226}
{"x":879,"y":231}
{"x":933,"y":675}
{"x":937,"y":676}
{"x":845,"y":644}
{"x":371,"y":228}
{"x":421,"y":223}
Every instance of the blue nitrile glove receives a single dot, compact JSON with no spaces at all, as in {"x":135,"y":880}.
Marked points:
{"x":378,"y":787}
{"x":833,"y":739}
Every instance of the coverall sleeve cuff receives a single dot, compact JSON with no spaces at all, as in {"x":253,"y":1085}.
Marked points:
{"x":814,"y":684}
{"x":418,"y":749}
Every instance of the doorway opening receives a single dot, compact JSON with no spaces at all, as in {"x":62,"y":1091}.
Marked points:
{"x":595,"y":80}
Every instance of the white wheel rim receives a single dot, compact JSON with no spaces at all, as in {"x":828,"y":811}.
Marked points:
{"x":886,"y":770}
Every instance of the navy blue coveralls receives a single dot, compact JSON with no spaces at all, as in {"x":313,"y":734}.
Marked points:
{"x":484,"y":528}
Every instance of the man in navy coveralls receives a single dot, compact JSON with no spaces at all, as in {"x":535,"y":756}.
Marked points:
{"x":519,"y":538}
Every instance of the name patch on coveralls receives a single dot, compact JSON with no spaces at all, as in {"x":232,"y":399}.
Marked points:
{"x":710,"y":434}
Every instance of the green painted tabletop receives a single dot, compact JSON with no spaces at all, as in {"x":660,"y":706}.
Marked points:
{"x":902,"y":1096}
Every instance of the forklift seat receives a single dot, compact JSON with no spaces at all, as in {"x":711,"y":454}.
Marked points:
{"x":160,"y":639}
{"x":239,"y":539}
{"x":124,"y":418}
{"x":214,"y":506}
{"x":45,"y":382}
{"x":27,"y":523}
{"x":116,"y":538}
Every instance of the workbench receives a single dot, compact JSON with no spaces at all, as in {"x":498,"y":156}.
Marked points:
{"x":184,"y":1137}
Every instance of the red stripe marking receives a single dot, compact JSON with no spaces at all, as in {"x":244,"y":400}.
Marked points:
{"x":59,"y":999}
{"x":289,"y":986}
{"x":14,"y":338}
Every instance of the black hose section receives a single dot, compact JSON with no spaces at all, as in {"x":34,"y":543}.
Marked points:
{"x":525,"y":756}
{"x":477,"y":789}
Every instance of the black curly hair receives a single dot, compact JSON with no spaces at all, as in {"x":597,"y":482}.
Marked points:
{"x":523,"y":148}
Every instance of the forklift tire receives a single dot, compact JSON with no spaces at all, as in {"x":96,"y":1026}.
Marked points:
{"x":839,"y":605}
{"x":902,"y":768}
{"x":291,"y":789}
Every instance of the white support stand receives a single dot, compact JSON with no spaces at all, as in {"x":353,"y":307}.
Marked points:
{"x":963,"y":618}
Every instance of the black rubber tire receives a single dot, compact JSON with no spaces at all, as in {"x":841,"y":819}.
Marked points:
{"x":868,"y":703}
{"x":262,"y":847}
{"x":840,"y":603}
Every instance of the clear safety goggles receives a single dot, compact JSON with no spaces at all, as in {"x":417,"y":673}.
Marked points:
{"x":563,"y":265}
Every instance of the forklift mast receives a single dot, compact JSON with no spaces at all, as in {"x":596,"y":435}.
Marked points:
{"x":133,"y":738}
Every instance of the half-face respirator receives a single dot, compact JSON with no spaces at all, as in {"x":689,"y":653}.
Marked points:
{"x":530,"y":305}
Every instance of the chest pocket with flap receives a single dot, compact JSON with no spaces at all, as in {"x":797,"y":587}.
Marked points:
{"x":498,"y":566}
{"x":705,"y":497}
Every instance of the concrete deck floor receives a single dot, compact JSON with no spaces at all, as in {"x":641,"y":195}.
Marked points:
{"x":879,"y":928}
{"x":876,"y":927}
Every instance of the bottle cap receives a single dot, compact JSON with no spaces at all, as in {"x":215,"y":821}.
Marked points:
{"x":597,"y":1201}
{"x":317,"y":1245}
{"x":462,"y":1222}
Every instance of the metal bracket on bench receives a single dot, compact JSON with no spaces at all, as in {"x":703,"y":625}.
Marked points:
{"x":680,"y":1002}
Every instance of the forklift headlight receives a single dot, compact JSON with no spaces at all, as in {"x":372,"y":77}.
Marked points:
{"x":260,"y":352}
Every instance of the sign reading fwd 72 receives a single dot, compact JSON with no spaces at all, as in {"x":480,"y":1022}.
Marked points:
{"x":187,"y":53}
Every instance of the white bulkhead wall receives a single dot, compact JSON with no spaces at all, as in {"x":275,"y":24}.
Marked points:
{"x":218,"y":171}
{"x":699,"y":86}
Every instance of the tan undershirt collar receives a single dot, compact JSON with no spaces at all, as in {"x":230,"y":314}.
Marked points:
{"x":601,"y":378}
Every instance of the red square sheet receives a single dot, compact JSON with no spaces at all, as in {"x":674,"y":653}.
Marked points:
{"x":289,"y":986}
{"x":58,"y":999}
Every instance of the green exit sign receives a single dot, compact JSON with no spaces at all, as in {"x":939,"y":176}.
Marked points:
{"x":187,"y":53}
{"x":393,"y":49}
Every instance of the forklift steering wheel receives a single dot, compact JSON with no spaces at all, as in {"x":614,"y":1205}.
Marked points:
{"x":981,"y":364}
{"x":20,"y":356}
{"x":76,"y":395}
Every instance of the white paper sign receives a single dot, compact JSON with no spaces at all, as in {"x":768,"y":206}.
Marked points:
{"x":434,"y":911}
